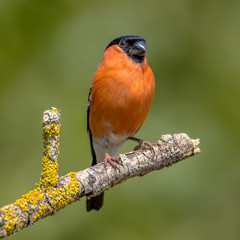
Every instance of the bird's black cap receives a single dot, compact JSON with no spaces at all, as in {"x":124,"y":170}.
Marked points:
{"x":127,"y":38}
{"x":133,"y":46}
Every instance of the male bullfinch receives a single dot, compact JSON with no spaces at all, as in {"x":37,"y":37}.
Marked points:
{"x":120,"y":97}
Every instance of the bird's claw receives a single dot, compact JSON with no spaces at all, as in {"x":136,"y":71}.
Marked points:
{"x":145,"y":145}
{"x":113,"y":161}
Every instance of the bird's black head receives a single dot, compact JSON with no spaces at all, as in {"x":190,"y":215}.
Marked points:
{"x":133,"y":46}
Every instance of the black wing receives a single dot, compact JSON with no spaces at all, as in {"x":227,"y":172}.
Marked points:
{"x":89,"y":131}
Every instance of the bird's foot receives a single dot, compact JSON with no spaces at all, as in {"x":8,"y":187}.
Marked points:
{"x":113,"y":161}
{"x":142,"y":144}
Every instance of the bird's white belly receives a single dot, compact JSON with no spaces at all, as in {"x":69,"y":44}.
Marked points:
{"x":114,"y":146}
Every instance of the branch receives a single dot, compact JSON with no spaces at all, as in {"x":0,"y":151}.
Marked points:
{"x":53,"y":193}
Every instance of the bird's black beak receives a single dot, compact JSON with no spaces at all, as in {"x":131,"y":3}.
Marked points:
{"x":139,"y":49}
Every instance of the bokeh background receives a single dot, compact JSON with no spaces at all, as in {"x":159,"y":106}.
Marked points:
{"x":49,"y":51}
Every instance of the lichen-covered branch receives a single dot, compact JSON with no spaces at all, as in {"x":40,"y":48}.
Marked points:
{"x":51,"y":128}
{"x":53,"y":193}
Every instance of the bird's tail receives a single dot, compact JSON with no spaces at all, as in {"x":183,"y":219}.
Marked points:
{"x":95,"y":202}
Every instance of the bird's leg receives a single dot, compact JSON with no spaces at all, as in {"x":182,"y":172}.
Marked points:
{"x":142,"y":143}
{"x":113,"y":161}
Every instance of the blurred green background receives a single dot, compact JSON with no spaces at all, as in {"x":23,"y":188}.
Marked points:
{"x":49,"y":51}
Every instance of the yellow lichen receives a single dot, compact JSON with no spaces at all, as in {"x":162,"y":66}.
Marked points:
{"x":188,"y":154}
{"x":59,"y":198}
{"x":30,"y":199}
{"x":42,"y":211}
{"x":52,"y":130}
{"x":21,"y":203}
{"x":49,"y":174}
{"x":9,"y":218}
{"x":10,"y":227}
{"x":54,"y":111}
{"x":35,"y":200}
{"x":63,"y":196}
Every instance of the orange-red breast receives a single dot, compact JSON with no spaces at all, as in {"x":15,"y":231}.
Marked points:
{"x":119,"y":100}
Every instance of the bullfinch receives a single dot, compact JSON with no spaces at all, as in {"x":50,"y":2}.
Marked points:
{"x":120,"y":97}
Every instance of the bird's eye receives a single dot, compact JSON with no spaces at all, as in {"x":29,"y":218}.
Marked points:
{"x":122,"y":43}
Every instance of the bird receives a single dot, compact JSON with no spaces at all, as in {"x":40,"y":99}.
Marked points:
{"x":120,"y":97}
